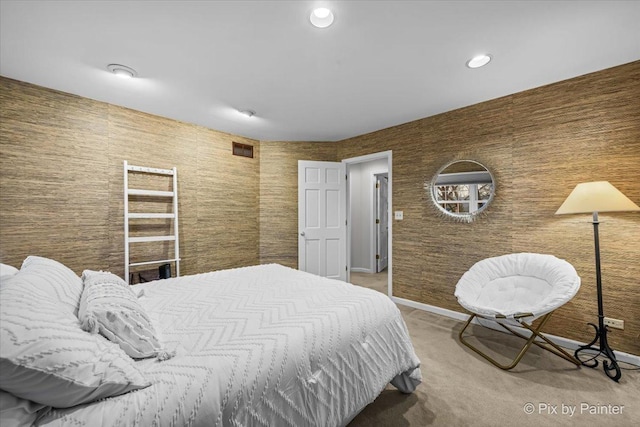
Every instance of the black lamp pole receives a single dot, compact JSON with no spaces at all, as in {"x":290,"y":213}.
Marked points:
{"x":611,"y":367}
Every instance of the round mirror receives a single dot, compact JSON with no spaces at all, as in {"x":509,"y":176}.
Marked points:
{"x":462,"y":189}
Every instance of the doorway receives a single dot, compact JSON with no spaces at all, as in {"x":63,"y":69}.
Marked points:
{"x":381,"y":195}
{"x":369,"y":235}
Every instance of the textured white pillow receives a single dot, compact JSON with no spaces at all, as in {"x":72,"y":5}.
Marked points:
{"x":46,"y":357}
{"x":109,"y":306}
{"x":62,"y":281}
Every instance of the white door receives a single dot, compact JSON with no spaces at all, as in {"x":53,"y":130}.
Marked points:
{"x":382,"y":221}
{"x":322,"y":228}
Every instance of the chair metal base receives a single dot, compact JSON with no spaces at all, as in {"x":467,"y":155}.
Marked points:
{"x":535,"y":333}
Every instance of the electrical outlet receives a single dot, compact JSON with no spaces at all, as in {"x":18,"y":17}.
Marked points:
{"x":614,"y":323}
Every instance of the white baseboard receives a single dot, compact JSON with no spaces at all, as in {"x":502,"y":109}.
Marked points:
{"x":561,"y":341}
{"x":360,"y":270}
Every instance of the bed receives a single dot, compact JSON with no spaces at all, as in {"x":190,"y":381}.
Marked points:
{"x":255,"y":346}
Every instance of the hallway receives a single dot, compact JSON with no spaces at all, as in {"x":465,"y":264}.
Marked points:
{"x":375,"y":281}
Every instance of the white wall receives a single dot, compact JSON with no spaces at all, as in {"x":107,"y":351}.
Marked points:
{"x":361,"y":183}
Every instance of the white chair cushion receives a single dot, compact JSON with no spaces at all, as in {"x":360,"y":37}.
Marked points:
{"x":514,"y":284}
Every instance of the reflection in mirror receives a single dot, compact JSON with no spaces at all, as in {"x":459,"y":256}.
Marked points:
{"x":462,"y":189}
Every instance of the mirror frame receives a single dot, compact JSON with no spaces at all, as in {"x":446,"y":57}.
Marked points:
{"x":466,"y":217}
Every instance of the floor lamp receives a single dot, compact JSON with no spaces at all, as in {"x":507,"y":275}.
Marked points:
{"x":594,"y":197}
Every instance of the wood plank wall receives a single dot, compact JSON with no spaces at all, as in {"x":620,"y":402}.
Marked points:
{"x":538,"y":144}
{"x":61,"y":182}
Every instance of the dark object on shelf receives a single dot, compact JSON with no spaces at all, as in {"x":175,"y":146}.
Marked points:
{"x":148,"y":276}
{"x":164,"y":271}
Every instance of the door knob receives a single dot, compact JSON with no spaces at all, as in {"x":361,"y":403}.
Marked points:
{"x":302,"y":233}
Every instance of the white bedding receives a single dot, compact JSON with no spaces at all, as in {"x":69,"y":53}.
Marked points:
{"x":260,"y":346}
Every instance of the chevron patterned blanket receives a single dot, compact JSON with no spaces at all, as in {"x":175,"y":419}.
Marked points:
{"x":261,"y":346}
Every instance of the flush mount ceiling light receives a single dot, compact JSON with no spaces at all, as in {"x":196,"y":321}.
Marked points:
{"x":122,"y":71}
{"x":479,"y":61}
{"x":247,"y":113}
{"x":321,"y":17}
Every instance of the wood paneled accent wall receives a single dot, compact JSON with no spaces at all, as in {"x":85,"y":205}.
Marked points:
{"x":279,"y":196}
{"x":61,"y":182}
{"x":538,"y":144}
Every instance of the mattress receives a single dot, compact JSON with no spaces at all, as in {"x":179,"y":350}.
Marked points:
{"x":260,"y":346}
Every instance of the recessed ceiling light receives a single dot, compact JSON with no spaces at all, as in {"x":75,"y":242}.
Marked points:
{"x":122,"y":71}
{"x":321,"y":17}
{"x":247,"y":113}
{"x":479,"y":61}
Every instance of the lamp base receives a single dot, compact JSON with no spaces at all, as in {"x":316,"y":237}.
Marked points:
{"x":611,"y":367}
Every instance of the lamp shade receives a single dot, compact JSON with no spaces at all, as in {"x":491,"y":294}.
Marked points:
{"x":599,"y":196}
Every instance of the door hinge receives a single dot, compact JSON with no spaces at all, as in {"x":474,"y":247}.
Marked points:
{"x":377,"y":256}
{"x":346,"y":268}
{"x":346,"y":177}
{"x":377,"y":221}
{"x":378,"y":184}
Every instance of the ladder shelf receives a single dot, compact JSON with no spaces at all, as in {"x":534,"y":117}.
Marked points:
{"x":128,"y":216}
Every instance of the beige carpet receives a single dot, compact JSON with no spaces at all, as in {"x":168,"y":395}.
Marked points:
{"x":462,"y":389}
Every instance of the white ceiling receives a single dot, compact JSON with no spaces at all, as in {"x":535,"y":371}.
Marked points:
{"x":380,"y":64}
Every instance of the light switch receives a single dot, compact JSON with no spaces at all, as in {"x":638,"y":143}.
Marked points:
{"x":399,"y":215}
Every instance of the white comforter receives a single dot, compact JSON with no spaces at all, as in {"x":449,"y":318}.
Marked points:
{"x":261,"y":346}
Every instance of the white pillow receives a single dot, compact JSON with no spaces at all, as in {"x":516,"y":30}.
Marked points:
{"x":46,"y":357}
{"x":64,"y":283}
{"x":109,"y":306}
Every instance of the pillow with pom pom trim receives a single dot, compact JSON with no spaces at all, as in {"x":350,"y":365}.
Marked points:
{"x":108,"y":306}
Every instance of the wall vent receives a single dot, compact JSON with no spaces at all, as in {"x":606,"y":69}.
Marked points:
{"x":244,"y":150}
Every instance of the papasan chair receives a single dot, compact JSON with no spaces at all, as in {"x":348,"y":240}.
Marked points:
{"x":514,"y":290}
